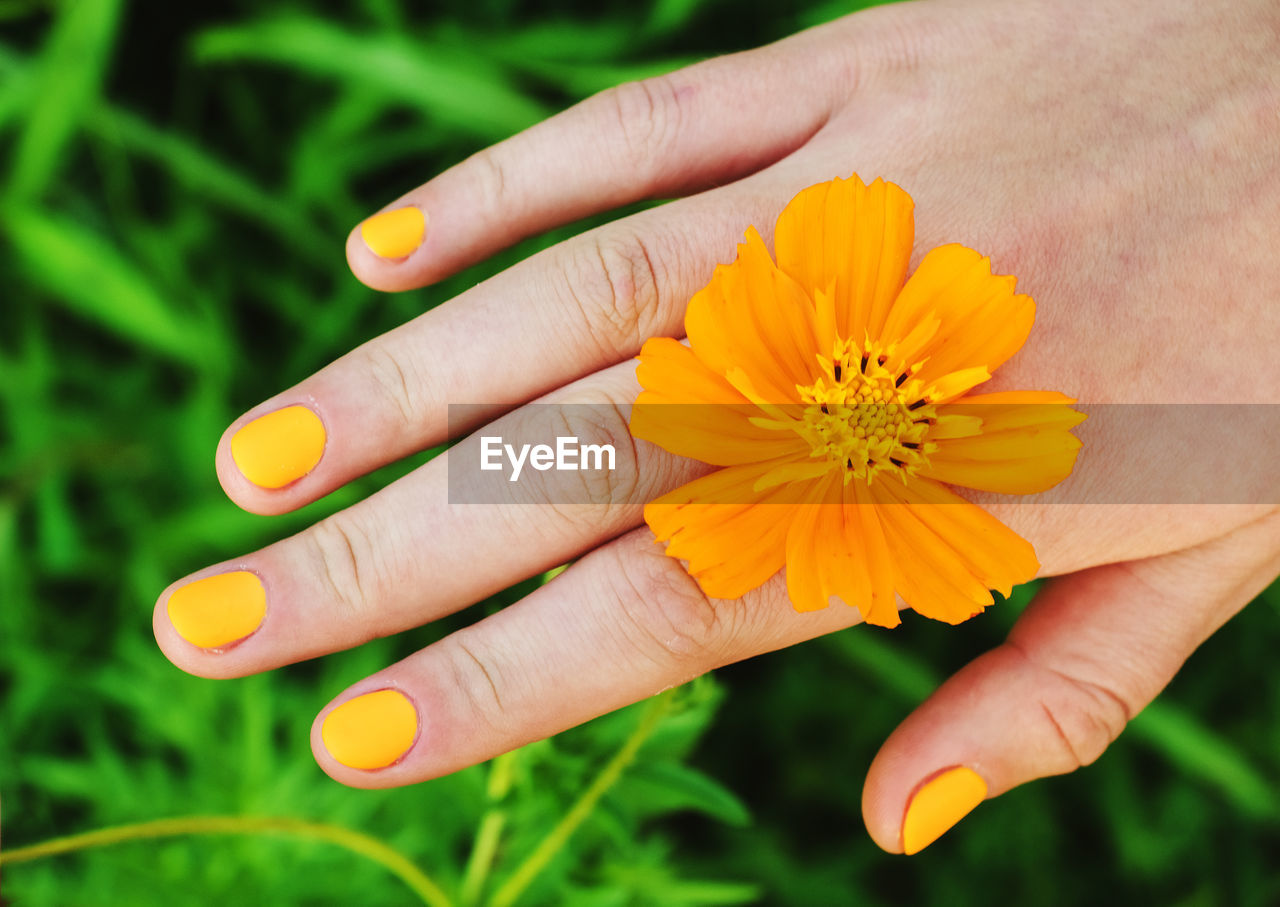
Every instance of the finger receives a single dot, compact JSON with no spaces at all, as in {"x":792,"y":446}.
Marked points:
{"x":567,"y":312}
{"x":656,"y":138}
{"x":621,"y":624}
{"x":1091,"y":652}
{"x":426,"y":545}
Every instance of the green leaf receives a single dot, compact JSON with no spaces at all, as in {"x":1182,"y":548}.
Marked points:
{"x":893,"y":670}
{"x":567,"y":40}
{"x":708,"y":892}
{"x":455,"y":86}
{"x":58,"y":534}
{"x":666,"y":786}
{"x":15,"y":86}
{"x":90,"y":277}
{"x":649,"y":877}
{"x":834,"y":9}
{"x":68,"y":76}
{"x":199,"y":172}
{"x":668,"y":16}
{"x":1202,"y":753}
{"x":582,"y":79}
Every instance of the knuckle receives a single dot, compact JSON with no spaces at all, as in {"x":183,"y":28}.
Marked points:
{"x":895,"y":40}
{"x":649,"y":114}
{"x":882,"y":43}
{"x":475,"y":676}
{"x":603,"y":476}
{"x":667,"y":615}
{"x":393,"y":383}
{"x":342,"y":550}
{"x":490,"y":180}
{"x":1085,"y":716}
{"x":600,"y":424}
{"x":612,"y":281}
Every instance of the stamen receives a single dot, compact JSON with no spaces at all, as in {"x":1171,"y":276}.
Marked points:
{"x":861,"y":423}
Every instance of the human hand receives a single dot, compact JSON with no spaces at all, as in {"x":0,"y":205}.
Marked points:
{"x":1130,"y":209}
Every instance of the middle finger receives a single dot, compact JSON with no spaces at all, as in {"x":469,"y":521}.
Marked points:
{"x":562,"y":314}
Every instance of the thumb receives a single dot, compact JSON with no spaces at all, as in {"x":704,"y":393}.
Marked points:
{"x":1091,"y":652}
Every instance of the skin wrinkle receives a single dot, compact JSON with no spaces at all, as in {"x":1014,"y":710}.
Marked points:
{"x":460,"y":680}
{"x":357,"y":604}
{"x":649,"y":118}
{"x":667,"y":606}
{"x":492,"y":175}
{"x":1067,"y":743}
{"x":614,"y":497}
{"x":493,"y":687}
{"x":383,"y":364}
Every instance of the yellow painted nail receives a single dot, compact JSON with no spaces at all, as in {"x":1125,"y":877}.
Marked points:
{"x":280,"y":447}
{"x":371,"y":731}
{"x":218,"y":609}
{"x":396,"y":233}
{"x":940,"y":803}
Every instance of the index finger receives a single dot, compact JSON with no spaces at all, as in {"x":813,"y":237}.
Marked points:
{"x":655,"y":138}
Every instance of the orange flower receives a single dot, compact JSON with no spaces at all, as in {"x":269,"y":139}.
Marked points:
{"x":837,"y":395}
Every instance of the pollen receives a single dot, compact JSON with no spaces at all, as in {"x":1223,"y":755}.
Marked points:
{"x":865,"y":418}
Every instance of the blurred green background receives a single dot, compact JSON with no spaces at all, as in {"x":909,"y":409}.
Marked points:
{"x":176,"y":183}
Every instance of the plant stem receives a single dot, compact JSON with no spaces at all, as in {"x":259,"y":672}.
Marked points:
{"x":550,"y":845}
{"x":356,"y":842}
{"x":489,"y":831}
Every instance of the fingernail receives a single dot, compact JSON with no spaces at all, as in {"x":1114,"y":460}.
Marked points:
{"x":371,"y":731}
{"x":396,"y":233}
{"x":280,"y":447}
{"x":940,"y":803}
{"x":219,"y":609}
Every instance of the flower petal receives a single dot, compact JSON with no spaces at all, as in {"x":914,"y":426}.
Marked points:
{"x":982,"y":321}
{"x":721,"y":435}
{"x":733,"y":537}
{"x":689,"y":410}
{"x":949,"y":551}
{"x":866,"y":538}
{"x":819,"y":562}
{"x":754,"y":317}
{"x":670,"y":368}
{"x":995,"y":554}
{"x":1025,"y":445}
{"x":853,"y":241}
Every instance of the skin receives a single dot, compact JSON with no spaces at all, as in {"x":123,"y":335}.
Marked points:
{"x":1124,"y":166}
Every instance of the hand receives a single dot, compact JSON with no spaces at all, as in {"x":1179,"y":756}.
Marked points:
{"x":1123,"y":166}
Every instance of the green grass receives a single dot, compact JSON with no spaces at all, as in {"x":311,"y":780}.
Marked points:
{"x":175,"y":186}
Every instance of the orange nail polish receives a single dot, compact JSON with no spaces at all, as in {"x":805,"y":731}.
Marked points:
{"x":395,"y":233}
{"x":279,"y":448}
{"x":940,"y":803}
{"x":371,"y":731}
{"x":217,"y":610}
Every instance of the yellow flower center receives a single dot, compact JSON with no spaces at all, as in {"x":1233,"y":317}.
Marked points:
{"x":863,"y":418}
